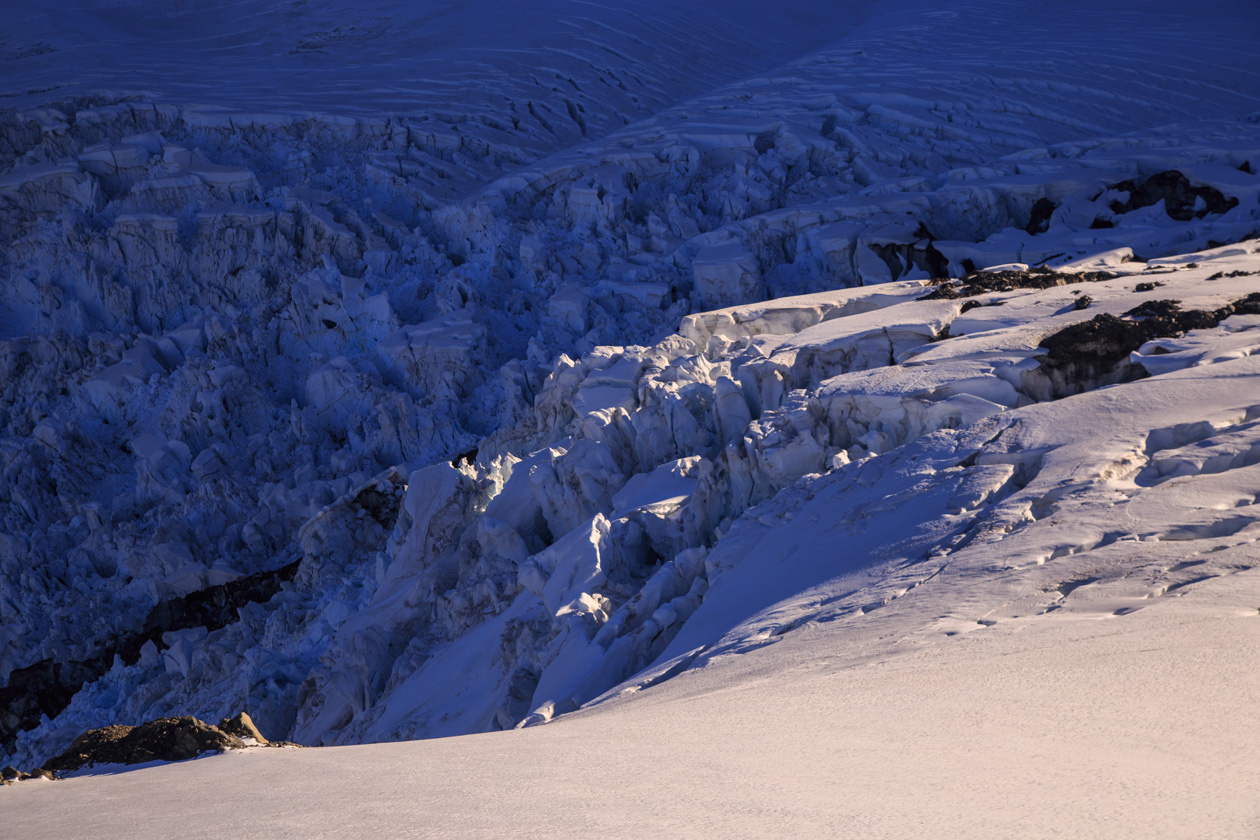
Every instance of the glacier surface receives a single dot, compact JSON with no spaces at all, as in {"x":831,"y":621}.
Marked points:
{"x":396,"y":372}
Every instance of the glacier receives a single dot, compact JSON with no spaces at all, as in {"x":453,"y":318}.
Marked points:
{"x":549,"y":360}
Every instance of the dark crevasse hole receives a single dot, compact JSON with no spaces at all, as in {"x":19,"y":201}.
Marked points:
{"x":901,"y":258}
{"x":1039,"y":220}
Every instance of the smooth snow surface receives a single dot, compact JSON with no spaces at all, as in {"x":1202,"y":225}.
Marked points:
{"x":1129,"y":727}
{"x":405,"y":370}
{"x":400,"y":56}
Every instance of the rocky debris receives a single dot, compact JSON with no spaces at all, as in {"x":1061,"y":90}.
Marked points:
{"x":212,"y":607}
{"x":1250,"y":305}
{"x":1182,"y":201}
{"x":984,"y":282}
{"x":11,"y":775}
{"x":165,"y":739}
{"x":242,"y":726}
{"x":1093,"y":353}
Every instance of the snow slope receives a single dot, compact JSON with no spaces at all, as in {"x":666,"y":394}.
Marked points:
{"x":615,"y":60}
{"x":1117,"y":727}
{"x":406,"y":394}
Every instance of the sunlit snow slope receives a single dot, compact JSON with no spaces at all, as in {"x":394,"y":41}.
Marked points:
{"x":415,"y":370}
{"x":1124,"y":728}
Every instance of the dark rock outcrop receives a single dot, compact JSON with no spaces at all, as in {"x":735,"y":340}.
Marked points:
{"x":213,"y":607}
{"x":165,"y":739}
{"x":242,"y":726}
{"x":984,"y":282}
{"x":1179,"y":196}
{"x":1094,"y":353}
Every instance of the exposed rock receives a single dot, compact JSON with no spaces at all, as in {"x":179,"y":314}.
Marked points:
{"x":165,"y":739}
{"x":9,"y":773}
{"x":983,"y":282}
{"x":1096,"y":352}
{"x":212,"y":607}
{"x":242,"y":726}
{"x":1181,"y":200}
{"x":95,"y":745}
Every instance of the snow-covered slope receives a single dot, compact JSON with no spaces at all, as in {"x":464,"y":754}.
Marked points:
{"x":607,"y":62}
{"x":1042,"y":621}
{"x":394,"y":392}
{"x":1128,"y":727}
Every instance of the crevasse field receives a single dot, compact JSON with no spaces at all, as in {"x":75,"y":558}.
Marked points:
{"x":644,"y":419}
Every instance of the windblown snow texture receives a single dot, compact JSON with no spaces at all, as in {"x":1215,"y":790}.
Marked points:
{"x":396,"y":371}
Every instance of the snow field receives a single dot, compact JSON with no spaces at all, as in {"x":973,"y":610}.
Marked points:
{"x":1124,"y":727}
